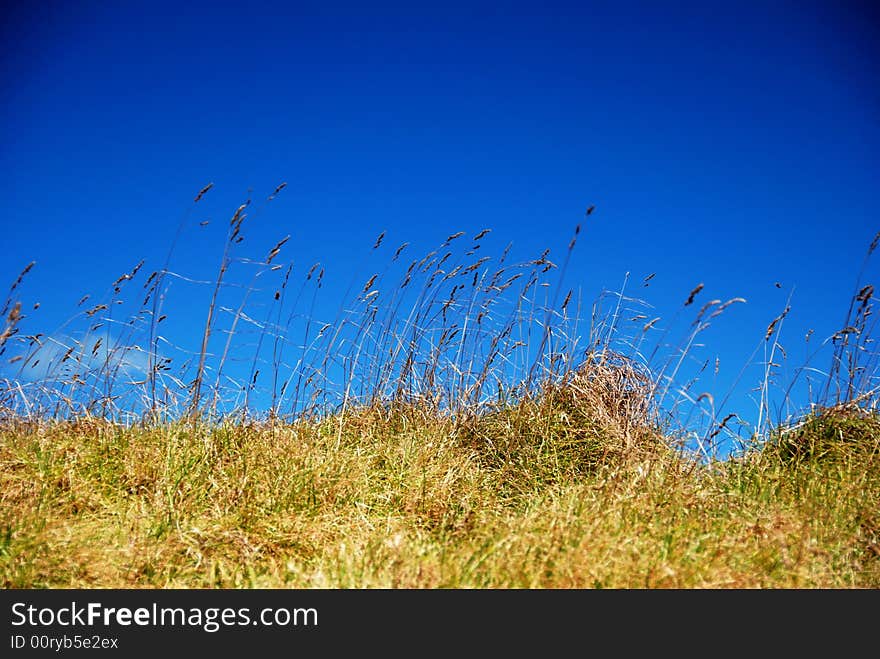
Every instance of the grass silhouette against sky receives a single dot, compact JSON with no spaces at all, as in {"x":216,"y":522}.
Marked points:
{"x":733,"y":146}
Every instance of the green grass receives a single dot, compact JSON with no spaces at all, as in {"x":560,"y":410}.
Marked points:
{"x":409,"y":501}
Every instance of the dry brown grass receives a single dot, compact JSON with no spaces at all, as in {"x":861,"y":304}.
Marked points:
{"x":406,"y":501}
{"x":458,"y":423}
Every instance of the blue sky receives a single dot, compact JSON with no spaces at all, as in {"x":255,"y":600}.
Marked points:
{"x":730,"y":144}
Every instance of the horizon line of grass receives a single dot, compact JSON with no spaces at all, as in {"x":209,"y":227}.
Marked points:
{"x":456,"y":331}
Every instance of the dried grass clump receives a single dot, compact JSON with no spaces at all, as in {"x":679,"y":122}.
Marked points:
{"x":597,"y":416}
{"x":616,"y":395}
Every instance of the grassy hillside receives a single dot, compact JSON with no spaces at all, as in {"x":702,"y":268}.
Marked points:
{"x":462,"y":422}
{"x":398,"y":499}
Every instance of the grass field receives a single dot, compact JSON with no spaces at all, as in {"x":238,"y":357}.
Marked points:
{"x":404,"y":501}
{"x":408,"y":444}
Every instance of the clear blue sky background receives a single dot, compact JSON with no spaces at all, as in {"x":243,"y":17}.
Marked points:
{"x":734,"y":144}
